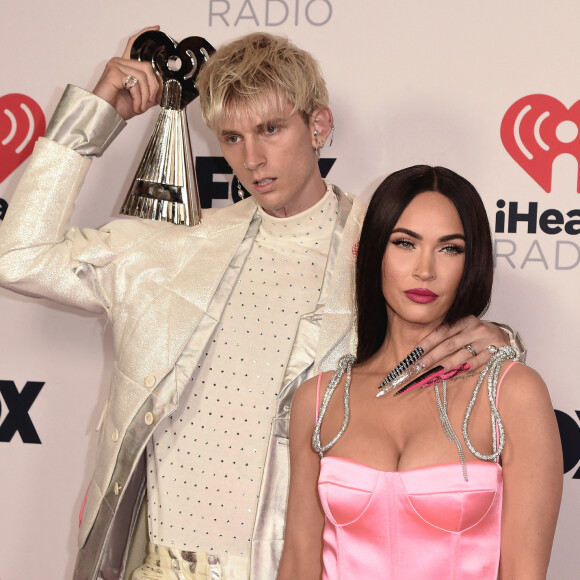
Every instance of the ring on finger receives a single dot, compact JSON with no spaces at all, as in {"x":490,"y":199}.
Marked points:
{"x":471,"y":350}
{"x":492,"y":349}
{"x":130,"y":82}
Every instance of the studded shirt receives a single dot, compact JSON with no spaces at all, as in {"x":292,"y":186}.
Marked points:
{"x":205,"y":461}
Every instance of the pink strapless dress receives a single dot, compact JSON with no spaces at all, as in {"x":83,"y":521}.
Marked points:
{"x":425,"y":523}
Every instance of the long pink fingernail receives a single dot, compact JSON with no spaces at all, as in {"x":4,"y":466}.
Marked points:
{"x":461,"y":368}
{"x":445,"y":376}
{"x":420,"y":380}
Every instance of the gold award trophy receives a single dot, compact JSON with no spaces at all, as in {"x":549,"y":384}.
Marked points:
{"x":164,"y":187}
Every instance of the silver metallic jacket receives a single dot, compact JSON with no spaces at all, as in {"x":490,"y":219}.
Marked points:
{"x":164,"y":287}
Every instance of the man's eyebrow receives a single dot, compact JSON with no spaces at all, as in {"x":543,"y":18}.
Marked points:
{"x":259,"y":126}
{"x":274,"y":121}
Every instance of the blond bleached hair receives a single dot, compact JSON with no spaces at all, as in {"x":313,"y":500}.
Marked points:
{"x":258,"y":74}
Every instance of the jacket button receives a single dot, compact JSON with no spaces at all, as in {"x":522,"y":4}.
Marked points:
{"x":149,"y":381}
{"x":117,"y":488}
{"x":148,"y":418}
{"x":115,"y":435}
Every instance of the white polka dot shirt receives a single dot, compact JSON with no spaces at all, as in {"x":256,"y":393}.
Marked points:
{"x":205,"y":461}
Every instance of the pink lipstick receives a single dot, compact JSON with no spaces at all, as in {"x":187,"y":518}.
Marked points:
{"x":421,"y":295}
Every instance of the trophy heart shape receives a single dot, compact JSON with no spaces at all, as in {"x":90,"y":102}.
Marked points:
{"x":180,"y":61}
{"x":21,"y":123}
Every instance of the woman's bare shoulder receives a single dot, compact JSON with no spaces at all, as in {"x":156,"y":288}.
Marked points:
{"x":522,"y":389}
{"x":307,"y":392}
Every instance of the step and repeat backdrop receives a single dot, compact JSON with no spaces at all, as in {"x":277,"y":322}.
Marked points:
{"x":489,"y":89}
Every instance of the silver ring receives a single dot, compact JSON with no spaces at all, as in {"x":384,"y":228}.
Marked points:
{"x":130,"y":82}
{"x":245,"y":166}
{"x":492,"y":349}
{"x":471,"y":350}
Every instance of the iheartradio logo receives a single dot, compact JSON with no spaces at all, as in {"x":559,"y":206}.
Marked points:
{"x":21,"y":123}
{"x":538,"y":128}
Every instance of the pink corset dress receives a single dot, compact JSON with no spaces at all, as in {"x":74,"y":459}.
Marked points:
{"x":426,"y":523}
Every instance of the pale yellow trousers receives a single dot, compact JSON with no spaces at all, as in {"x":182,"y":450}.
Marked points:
{"x":164,"y":563}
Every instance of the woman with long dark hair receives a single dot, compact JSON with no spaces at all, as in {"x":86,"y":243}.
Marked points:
{"x":424,"y":473}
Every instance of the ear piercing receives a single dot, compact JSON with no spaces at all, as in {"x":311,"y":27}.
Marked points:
{"x":241,"y":191}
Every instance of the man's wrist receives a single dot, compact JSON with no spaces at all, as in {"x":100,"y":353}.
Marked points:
{"x":84,"y":122}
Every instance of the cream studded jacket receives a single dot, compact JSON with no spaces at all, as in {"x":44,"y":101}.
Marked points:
{"x":164,"y":287}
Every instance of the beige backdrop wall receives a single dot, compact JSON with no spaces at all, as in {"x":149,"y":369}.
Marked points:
{"x":421,"y":81}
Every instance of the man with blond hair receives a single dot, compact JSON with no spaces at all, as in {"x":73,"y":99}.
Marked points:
{"x":214,"y":326}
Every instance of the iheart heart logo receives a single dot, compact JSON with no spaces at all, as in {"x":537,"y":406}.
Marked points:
{"x":538,"y":128}
{"x":21,"y":123}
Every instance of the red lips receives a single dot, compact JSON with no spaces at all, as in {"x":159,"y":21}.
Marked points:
{"x":421,"y":295}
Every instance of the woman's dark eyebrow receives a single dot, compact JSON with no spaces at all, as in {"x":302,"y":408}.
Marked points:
{"x":417,"y":236}
{"x":410,"y":233}
{"x":452,"y":237}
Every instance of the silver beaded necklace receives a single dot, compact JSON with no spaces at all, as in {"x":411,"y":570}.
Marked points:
{"x":344,"y":365}
{"x":448,"y":428}
{"x":492,"y":368}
